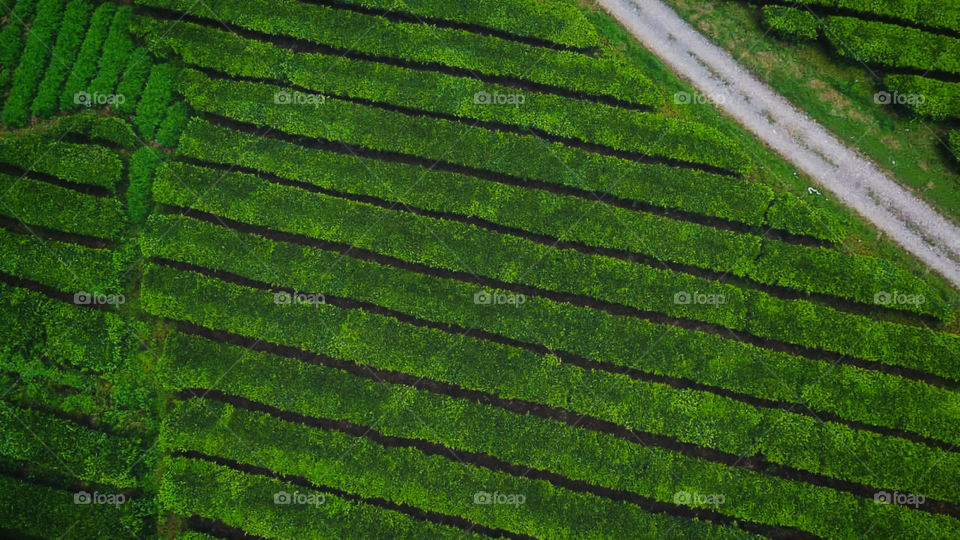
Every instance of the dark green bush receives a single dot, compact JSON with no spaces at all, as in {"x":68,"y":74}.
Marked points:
{"x":791,"y":23}
{"x":33,"y":62}
{"x":69,"y":38}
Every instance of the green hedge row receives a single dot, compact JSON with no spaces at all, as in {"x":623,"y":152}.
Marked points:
{"x":156,"y":97}
{"x":558,"y":22}
{"x":524,"y":156}
{"x":116,"y":52}
{"x":792,"y":440}
{"x":109,"y":128}
{"x":463,"y":97}
{"x":85,"y":67}
{"x":955,"y":143}
{"x":791,"y":23}
{"x":849,"y":392}
{"x":438,"y":47}
{"x":11,"y":39}
{"x":598,"y":458}
{"x":791,"y":214}
{"x":143,"y":167}
{"x":33,"y":62}
{"x":174,"y":120}
{"x":79,"y":163}
{"x":854,"y":277}
{"x":66,"y":267}
{"x":245,"y":501}
{"x":67,"y":447}
{"x":69,"y":38}
{"x":466,"y":248}
{"x":408,"y":476}
{"x":891,"y":45}
{"x":54,"y":207}
{"x":134,"y":78}
{"x":934,"y":13}
{"x":939,"y":100}
{"x":42,"y":512}
{"x":36,"y":326}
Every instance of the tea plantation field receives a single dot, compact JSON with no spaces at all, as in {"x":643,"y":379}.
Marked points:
{"x":433,"y":269}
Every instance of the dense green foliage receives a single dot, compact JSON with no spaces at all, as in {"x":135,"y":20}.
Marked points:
{"x":523,"y":156}
{"x":935,"y":13}
{"x":67,"y":267}
{"x":78,"y":163}
{"x":461,"y":97}
{"x":85,"y":67}
{"x":116,"y":51}
{"x":892,"y":45}
{"x":555,"y":21}
{"x":193,"y":487}
{"x":55,"y":443}
{"x":44,"y":512}
{"x":133,"y":80}
{"x":143,"y":166}
{"x":425,"y":240}
{"x":857,"y":278}
{"x":796,"y":441}
{"x":172,"y":171}
{"x":939,"y":100}
{"x":871,"y":397}
{"x":33,"y":62}
{"x":37,"y":326}
{"x":598,"y":458}
{"x":431,"y":46}
{"x":792,"y":23}
{"x":54,"y":207}
{"x":357,"y":465}
{"x":156,"y":97}
{"x":11,"y":38}
{"x":69,"y":38}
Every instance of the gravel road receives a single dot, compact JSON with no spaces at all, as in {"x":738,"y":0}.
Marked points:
{"x":848,"y":176}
